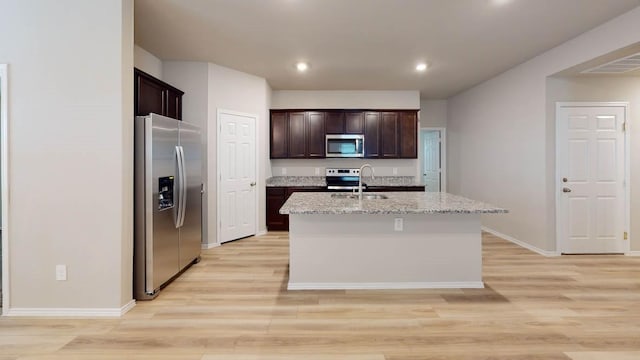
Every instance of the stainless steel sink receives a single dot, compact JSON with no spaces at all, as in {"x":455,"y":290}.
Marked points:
{"x":355,"y":196}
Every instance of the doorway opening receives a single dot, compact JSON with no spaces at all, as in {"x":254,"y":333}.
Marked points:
{"x":434,"y":159}
{"x":4,"y":193}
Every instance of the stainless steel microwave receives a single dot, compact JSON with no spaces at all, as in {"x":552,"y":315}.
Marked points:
{"x":346,"y":146}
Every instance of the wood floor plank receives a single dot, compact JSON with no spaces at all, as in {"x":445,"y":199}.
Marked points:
{"x":234,"y":305}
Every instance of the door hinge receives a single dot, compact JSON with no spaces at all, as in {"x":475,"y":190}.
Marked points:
{"x":624,"y":126}
{"x":626,"y":236}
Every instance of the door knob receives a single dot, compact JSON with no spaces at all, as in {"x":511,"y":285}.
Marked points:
{"x":252,"y":184}
{"x":566,"y":190}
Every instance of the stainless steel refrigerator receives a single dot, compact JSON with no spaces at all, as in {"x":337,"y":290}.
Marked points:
{"x":167,"y":202}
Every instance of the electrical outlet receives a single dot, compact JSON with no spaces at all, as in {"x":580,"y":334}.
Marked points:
{"x":398,"y":224}
{"x":284,"y":171}
{"x":61,"y":272}
{"x":395,"y":171}
{"x":317,"y":171}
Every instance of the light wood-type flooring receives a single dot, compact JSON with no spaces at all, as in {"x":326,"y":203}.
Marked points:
{"x":234,"y":305}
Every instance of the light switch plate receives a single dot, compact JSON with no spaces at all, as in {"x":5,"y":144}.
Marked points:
{"x":398,"y":224}
{"x":317,"y":171}
{"x":61,"y":272}
{"x":284,"y":171}
{"x":395,"y":171}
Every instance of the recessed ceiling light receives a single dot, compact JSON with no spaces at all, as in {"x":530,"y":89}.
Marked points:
{"x":421,"y":67}
{"x":302,"y":66}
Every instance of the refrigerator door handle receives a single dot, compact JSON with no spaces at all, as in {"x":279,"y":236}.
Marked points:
{"x":183,"y":187}
{"x":178,"y":189}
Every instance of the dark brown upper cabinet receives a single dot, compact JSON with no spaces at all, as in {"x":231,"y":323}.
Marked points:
{"x":279,"y":144}
{"x":301,"y":134}
{"x":335,"y":122}
{"x":297,"y":135}
{"x":344,"y":122}
{"x":354,"y":122}
{"x":152,"y":95}
{"x":408,"y":139}
{"x":315,"y":134}
{"x":372,"y":134}
{"x":389,"y":135}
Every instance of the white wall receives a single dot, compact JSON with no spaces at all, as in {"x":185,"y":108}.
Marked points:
{"x":292,"y":99}
{"x":603,"y":88}
{"x":433,"y":113}
{"x":302,"y":99}
{"x":501,"y":143}
{"x":70,"y":151}
{"x":147,"y":62}
{"x":193,"y":79}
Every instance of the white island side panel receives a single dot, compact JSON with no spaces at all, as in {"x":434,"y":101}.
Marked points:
{"x":363,"y":251}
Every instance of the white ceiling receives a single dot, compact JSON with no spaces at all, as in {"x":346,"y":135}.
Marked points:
{"x":366,"y":44}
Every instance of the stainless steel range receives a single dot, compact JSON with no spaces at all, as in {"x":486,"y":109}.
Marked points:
{"x":343,"y":179}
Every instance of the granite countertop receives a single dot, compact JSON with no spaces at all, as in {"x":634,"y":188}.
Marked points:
{"x":296,"y":181}
{"x":277,"y":181}
{"x":397,"y":203}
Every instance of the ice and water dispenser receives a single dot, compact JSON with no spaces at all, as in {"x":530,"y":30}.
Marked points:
{"x":165,"y":192}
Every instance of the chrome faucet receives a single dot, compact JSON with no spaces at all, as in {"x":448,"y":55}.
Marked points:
{"x":360,"y":179}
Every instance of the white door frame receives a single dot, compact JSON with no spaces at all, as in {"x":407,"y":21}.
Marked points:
{"x":560,"y":243}
{"x":4,"y":178}
{"x":443,"y":155}
{"x":219,"y":161}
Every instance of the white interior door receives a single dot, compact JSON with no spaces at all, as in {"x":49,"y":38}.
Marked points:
{"x":237,"y":180}
{"x":432,"y":171}
{"x":591,"y":172}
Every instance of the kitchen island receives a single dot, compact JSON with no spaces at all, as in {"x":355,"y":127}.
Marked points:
{"x":408,"y":240}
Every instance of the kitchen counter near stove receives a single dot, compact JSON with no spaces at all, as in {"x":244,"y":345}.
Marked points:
{"x":319,"y":181}
{"x":296,"y":181}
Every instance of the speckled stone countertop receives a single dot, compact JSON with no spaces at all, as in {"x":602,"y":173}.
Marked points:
{"x":296,"y":181}
{"x":397,"y":203}
{"x":320,"y":181}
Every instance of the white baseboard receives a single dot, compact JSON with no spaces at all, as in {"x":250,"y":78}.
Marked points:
{"x":261,"y":232}
{"x":387,"y":285}
{"x":521,"y":243}
{"x":72,"y":312}
{"x":209,"y":246}
{"x":632,"y":253}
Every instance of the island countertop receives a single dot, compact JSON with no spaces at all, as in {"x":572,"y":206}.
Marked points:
{"x":397,"y":203}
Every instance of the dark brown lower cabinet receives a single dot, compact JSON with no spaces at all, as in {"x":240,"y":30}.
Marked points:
{"x":276,"y":197}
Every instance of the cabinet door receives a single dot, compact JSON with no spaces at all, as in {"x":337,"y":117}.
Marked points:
{"x":153,"y":95}
{"x":371,"y":134}
{"x":354,"y":122}
{"x":315,"y":134}
{"x":150,"y":96}
{"x":276,"y":197}
{"x":174,"y":104}
{"x":389,"y":135}
{"x":335,"y":123}
{"x":408,"y":139}
{"x":279,"y":139}
{"x":297,"y":135}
